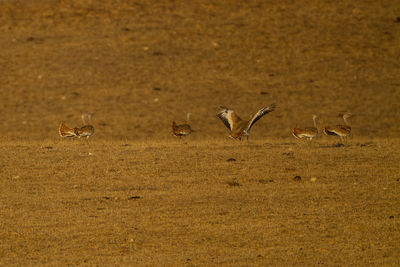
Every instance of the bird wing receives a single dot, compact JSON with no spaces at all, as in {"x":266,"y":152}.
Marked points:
{"x":228,"y":117}
{"x":86,"y":130}
{"x":310,"y":130}
{"x":343,"y":127}
{"x":341,"y":130}
{"x":259,"y":114}
{"x":329,"y":131}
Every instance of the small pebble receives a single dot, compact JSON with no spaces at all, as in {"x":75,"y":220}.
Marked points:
{"x":233,"y":183}
{"x":297,"y":178}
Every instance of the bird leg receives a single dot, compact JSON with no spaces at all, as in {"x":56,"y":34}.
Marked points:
{"x":87,"y":141}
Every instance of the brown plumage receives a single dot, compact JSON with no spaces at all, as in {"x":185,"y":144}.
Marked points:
{"x":65,"y":131}
{"x":87,"y":130}
{"x":238,"y":127}
{"x":339,"y":130}
{"x":307,"y":132}
{"x":182,"y":129}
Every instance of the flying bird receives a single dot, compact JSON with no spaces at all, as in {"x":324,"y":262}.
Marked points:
{"x":238,"y":127}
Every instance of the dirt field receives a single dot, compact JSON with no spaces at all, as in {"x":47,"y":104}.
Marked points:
{"x":139,"y":196}
{"x":171,"y":203}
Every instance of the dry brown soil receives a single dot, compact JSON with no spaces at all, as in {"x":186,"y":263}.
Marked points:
{"x":139,"y":196}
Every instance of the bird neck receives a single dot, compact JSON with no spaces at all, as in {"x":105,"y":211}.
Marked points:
{"x":345,"y":120}
{"x":90,"y":119}
{"x":83,"y":119}
{"x":315,"y":122}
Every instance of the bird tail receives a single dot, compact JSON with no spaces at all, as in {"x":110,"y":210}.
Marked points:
{"x":65,"y":131}
{"x":327,"y":131}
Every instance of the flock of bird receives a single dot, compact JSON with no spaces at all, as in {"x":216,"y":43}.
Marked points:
{"x":238,"y":127}
{"x":310,"y":132}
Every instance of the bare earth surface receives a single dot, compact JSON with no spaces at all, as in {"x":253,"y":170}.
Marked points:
{"x":138,"y":196}
{"x":173,"y":203}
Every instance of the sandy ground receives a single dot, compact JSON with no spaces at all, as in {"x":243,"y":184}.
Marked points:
{"x":139,"y":196}
{"x":200,"y":203}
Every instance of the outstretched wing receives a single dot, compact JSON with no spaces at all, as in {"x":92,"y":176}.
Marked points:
{"x":259,"y":114}
{"x":229,"y":118}
{"x":225,"y":115}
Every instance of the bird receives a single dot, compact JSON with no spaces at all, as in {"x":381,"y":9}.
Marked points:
{"x":307,"y":132}
{"x":238,"y":127}
{"x":339,"y":130}
{"x":88,"y":129}
{"x":182,"y":129}
{"x":65,"y":131}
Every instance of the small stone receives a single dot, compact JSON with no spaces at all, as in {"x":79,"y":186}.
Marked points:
{"x":297,"y":178}
{"x":230,"y":160}
{"x":215,"y":44}
{"x":338,"y":145}
{"x":264,"y":181}
{"x":233,"y":183}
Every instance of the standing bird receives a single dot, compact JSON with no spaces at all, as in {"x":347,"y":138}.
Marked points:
{"x":236,"y":125}
{"x":307,"y":132}
{"x":87,"y":130}
{"x":339,"y":130}
{"x":182,"y":129}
